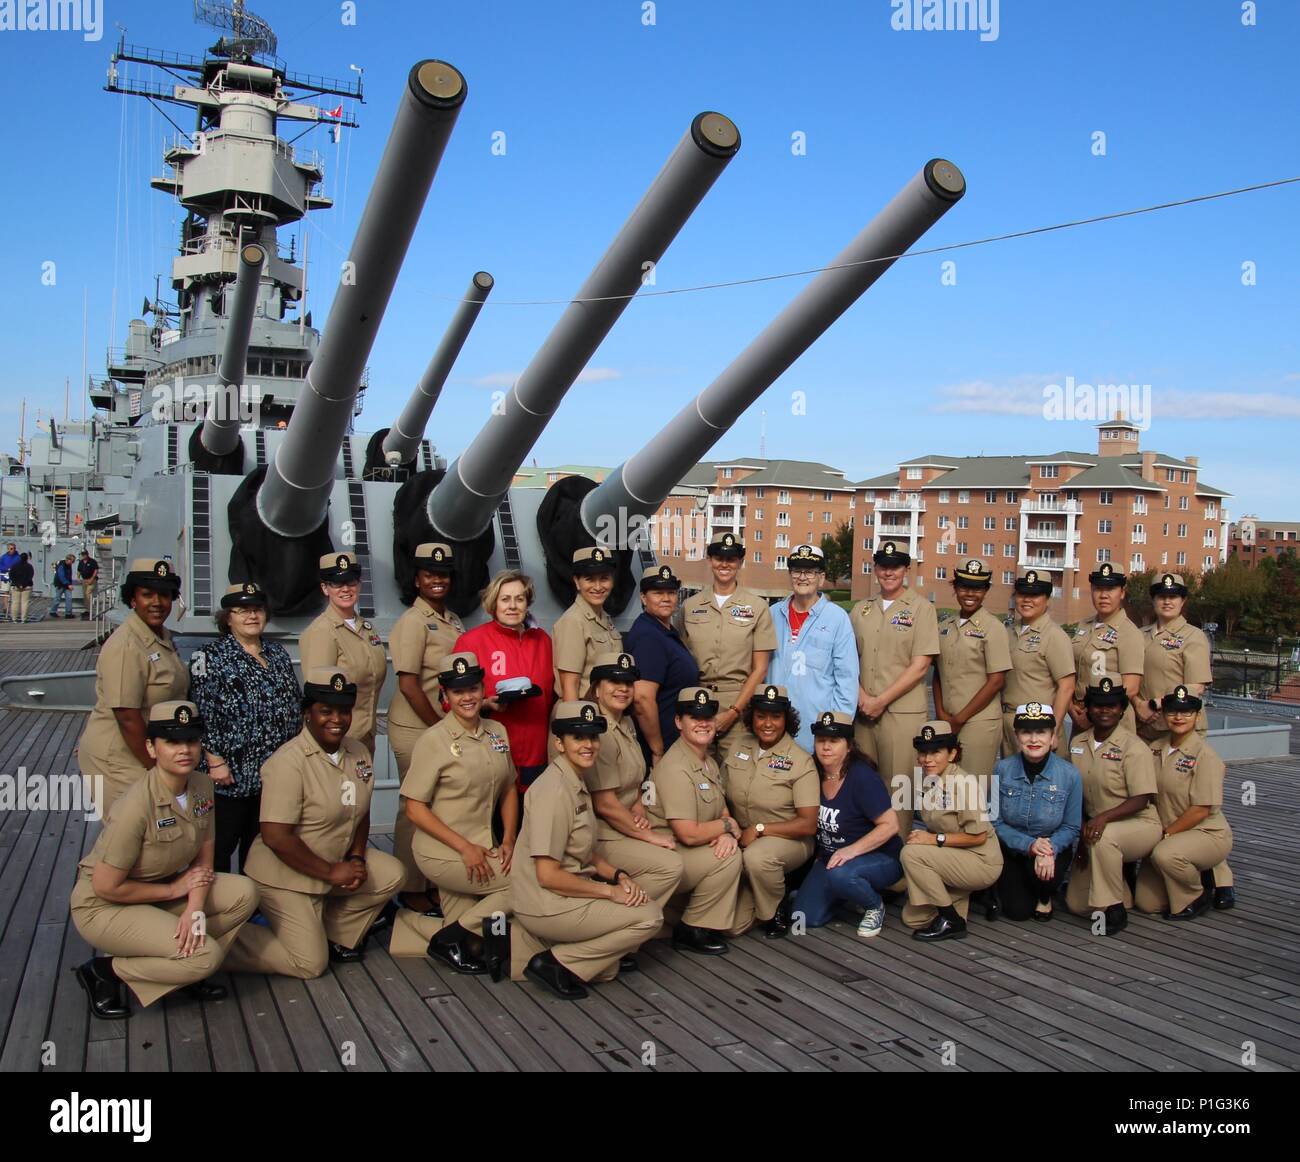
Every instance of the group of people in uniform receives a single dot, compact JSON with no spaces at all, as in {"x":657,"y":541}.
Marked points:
{"x":725,"y":765}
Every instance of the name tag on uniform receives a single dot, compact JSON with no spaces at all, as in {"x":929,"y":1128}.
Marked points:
{"x":364,"y":772}
{"x":1082,"y":631}
{"x":704,"y":786}
{"x":581,"y":807}
{"x":780,"y":762}
{"x":743,"y":755}
{"x":1076,"y":750}
{"x":500,"y":745}
{"x":170,"y":821}
{"x":155,"y":656}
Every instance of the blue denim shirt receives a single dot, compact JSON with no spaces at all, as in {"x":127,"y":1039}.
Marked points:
{"x":1052,"y":805}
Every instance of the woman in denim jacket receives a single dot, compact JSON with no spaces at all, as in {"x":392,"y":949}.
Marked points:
{"x":1040,"y":812}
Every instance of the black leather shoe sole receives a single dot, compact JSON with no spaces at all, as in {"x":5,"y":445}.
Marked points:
{"x":629,"y":964}
{"x":931,"y":934}
{"x":773,"y":931}
{"x":1224,"y":898}
{"x":455,"y":956}
{"x":103,"y":1008}
{"x":203,"y":991}
{"x":566,"y":990}
{"x":340,"y":955}
{"x":718,"y":949}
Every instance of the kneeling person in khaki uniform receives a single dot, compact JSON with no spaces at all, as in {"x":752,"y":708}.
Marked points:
{"x":624,"y":835}
{"x":687,"y":803}
{"x":958,"y":853}
{"x":773,"y":791}
{"x":1178,"y":878}
{"x":1120,"y":824}
{"x":321,"y":887}
{"x":590,"y":914}
{"x":147,"y":894}
{"x":461,"y":770}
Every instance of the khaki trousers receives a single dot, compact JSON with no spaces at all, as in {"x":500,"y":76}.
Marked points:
{"x":464,"y":901}
{"x":1170,"y":878}
{"x":980,"y":740}
{"x":88,"y":593}
{"x":302,"y":924}
{"x":656,"y":870}
{"x":20,"y":600}
{"x":709,"y":887}
{"x":141,"y":938}
{"x":1101,"y":884}
{"x":766,"y":862}
{"x":887,"y":742}
{"x":591,"y":939}
{"x":941,"y":877}
{"x":403,"y":739}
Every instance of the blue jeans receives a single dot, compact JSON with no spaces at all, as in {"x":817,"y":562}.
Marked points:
{"x":857,"y":882}
{"x":64,"y":595}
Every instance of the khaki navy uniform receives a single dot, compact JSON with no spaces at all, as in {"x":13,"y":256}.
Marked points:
{"x":723,"y":643}
{"x":685,"y":787}
{"x":420,"y":639}
{"x":136,"y":669}
{"x":1187,"y":776}
{"x":587,"y":936}
{"x":942,"y":877}
{"x":888,"y":639}
{"x":1113,"y":645}
{"x":1041,"y":655}
{"x":620,"y":767}
{"x":461,"y":776}
{"x":330,"y":643}
{"x":1113,"y":771}
{"x":325,"y":803}
{"x":151,"y":835}
{"x":580,"y":635}
{"x":970,"y":651}
{"x":1177,"y":655}
{"x":768,"y":787}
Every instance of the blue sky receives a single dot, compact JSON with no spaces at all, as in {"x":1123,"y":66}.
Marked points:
{"x":592,"y":101}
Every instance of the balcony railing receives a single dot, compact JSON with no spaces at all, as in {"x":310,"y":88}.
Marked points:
{"x":1053,"y":563}
{"x":1053,"y":506}
{"x":900,"y":503}
{"x":1055,"y":535}
{"x":899,"y":530}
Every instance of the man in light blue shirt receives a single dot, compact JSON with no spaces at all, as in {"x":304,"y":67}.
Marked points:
{"x":816,"y":658}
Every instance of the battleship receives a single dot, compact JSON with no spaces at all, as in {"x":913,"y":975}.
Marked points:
{"x":225,"y":434}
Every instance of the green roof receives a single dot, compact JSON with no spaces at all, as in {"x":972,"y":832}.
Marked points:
{"x":1210,"y":490}
{"x":1109,"y":473}
{"x":888,"y":480}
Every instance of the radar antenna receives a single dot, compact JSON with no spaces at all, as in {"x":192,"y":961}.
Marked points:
{"x":252,"y":35}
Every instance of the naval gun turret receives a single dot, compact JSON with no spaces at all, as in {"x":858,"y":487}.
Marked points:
{"x":637,"y":488}
{"x":215,"y":446}
{"x":278,"y":517}
{"x":461,"y":504}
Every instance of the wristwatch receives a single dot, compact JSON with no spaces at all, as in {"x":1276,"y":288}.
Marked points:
{"x":759,"y":828}
{"x":940,"y":839}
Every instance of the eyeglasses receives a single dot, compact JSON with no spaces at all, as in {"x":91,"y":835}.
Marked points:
{"x":805,"y":574}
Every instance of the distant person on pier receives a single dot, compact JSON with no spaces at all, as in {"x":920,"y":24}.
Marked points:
{"x":88,"y":572}
{"x":21,"y":579}
{"x":64,"y":574}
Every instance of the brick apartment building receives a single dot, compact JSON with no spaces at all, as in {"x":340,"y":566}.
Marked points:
{"x":1252,"y":539}
{"x":1062,"y":513}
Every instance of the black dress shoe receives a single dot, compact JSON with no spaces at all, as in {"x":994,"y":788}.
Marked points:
{"x":451,"y":946}
{"x":777,"y":928}
{"x":103,"y":988}
{"x":385,"y":918}
{"x":689,"y":938}
{"x":1116,"y":920}
{"x":628,"y":964}
{"x":1224,"y":898}
{"x":341,"y":955}
{"x":496,"y":948}
{"x":551,"y":974}
{"x":947,"y":925}
{"x":1194,"y":909}
{"x":205,"y":990}
{"x":1042,"y":917}
{"x":434,"y":910}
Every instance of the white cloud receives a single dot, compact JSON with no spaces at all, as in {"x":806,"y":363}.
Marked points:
{"x":507,"y":378}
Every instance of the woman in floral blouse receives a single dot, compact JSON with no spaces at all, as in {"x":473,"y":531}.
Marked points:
{"x":249,"y":697}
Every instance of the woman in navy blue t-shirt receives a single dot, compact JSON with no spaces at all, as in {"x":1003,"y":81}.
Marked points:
{"x":857,"y":832}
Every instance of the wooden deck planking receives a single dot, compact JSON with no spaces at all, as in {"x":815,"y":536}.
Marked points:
{"x":1024,"y":997}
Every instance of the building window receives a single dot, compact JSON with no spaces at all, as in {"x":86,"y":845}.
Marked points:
{"x":1135,"y":564}
{"x":1103,"y":555}
{"x":1209,"y":562}
{"x":758,"y":514}
{"x":1181,"y":558}
{"x":1139,"y":535}
{"x":782,"y":540}
{"x":1184,"y":476}
{"x":989,"y":548}
{"x":914,"y":474}
{"x":827,"y":496}
{"x":1182,"y":530}
{"x":943,"y":496}
{"x":1009,"y":524}
{"x":1008,"y":550}
{"x":1105,"y":498}
{"x":1049,"y":471}
{"x":1166,"y":500}
{"x":1169,"y":475}
{"x":963,"y":497}
{"x":780,"y":561}
{"x":783,"y":496}
{"x":1212,"y":513}
{"x":866,"y":565}
{"x":826,"y":518}
{"x":943,"y":522}
{"x":961,"y":548}
{"x":941,"y":548}
{"x":1209,"y":537}
{"x":783,"y":520}
{"x":1008,"y":576}
{"x":1105,"y":526}
{"x":941,"y":572}
{"x":726,"y":474}
{"x":990,"y":522}
{"x":758,"y":557}
{"x":990,"y":497}
{"x":758,"y":534}
{"x":963,"y":522}
{"x":1013,"y":497}
{"x":679,"y":512}
{"x":1183,"y":503}
{"x":869,"y":495}
{"x":758,"y":493}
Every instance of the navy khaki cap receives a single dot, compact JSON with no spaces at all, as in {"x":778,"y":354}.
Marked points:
{"x":460,"y":670}
{"x":890,"y":556}
{"x":615,"y":667}
{"x":833,"y":724}
{"x":580,"y":718}
{"x":935,"y":735}
{"x":696,"y":702}
{"x":435,"y":557}
{"x":659,"y":577}
{"x":177,"y":721}
{"x":329,"y":685}
{"x":339,"y":567}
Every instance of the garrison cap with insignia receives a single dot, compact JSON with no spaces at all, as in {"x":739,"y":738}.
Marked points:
{"x":615,"y":667}
{"x":327,"y":684}
{"x":935,"y":735}
{"x":580,"y":718}
{"x":434,"y":557}
{"x":973,"y":575}
{"x":726,"y":545}
{"x":460,"y":670}
{"x":1169,"y":585}
{"x":890,"y":556}
{"x":596,"y":559}
{"x":696,"y":702}
{"x":659,"y":577}
{"x":832,"y":724}
{"x":174,"y":720}
{"x":1106,"y":576}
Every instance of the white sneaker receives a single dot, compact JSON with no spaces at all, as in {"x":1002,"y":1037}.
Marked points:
{"x":873,"y":920}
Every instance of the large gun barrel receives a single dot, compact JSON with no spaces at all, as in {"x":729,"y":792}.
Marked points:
{"x":462,"y":504}
{"x":403,"y":439}
{"x":639,"y":486}
{"x":220,"y":434}
{"x":294,"y":498}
